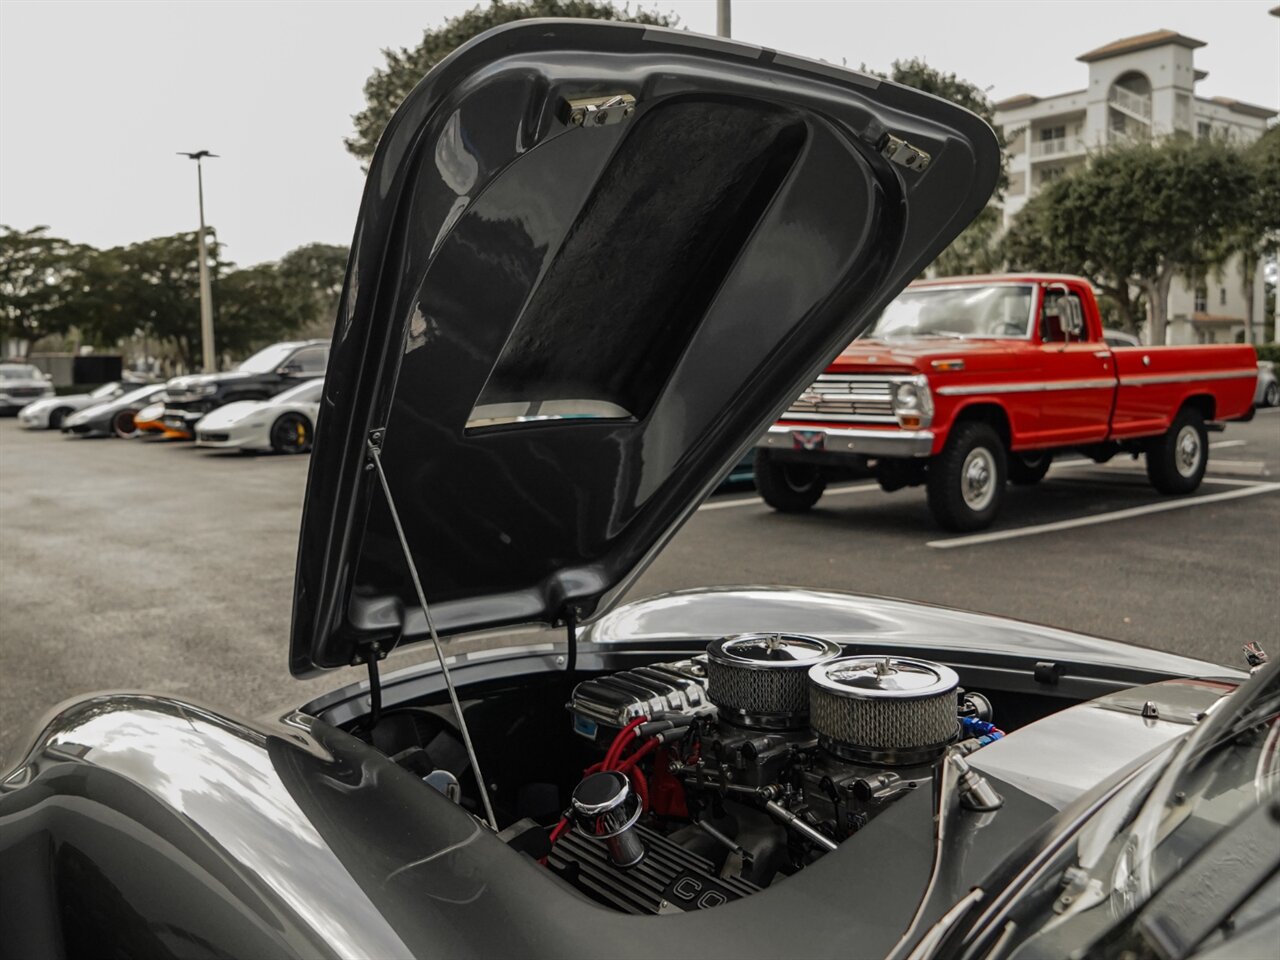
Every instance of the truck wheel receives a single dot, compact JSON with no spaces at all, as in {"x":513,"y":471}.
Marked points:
{"x":1177,"y":461}
{"x":966,"y":480}
{"x":788,"y":487}
{"x":1026,"y":469}
{"x":1271,"y":398}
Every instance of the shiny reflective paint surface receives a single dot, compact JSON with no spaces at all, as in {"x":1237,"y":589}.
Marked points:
{"x":861,"y":622}
{"x":505,"y":255}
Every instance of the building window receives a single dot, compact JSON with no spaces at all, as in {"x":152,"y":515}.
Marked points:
{"x":1053,"y":133}
{"x":1222,"y":296}
{"x":1204,"y":130}
{"x":1202,"y":300}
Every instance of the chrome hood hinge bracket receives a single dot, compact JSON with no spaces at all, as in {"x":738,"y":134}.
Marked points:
{"x":374,"y":463}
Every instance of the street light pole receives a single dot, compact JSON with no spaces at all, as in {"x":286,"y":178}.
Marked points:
{"x":723,"y":26}
{"x":208,"y":356}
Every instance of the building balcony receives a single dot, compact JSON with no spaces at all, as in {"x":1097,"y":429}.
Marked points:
{"x":1135,"y":105}
{"x":1053,"y":149}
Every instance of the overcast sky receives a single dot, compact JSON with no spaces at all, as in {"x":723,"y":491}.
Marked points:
{"x":95,"y":97}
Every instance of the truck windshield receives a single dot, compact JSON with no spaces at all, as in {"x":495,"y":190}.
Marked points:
{"x":996,"y":311}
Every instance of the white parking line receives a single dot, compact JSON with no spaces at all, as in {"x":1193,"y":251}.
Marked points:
{"x":1223,"y":444}
{"x":1243,"y":489}
{"x":748,"y":501}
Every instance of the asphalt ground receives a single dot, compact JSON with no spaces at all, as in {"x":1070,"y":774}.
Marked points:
{"x":157,"y":566}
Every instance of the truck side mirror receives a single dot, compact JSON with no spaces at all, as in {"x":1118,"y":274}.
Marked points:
{"x":1071,"y":316}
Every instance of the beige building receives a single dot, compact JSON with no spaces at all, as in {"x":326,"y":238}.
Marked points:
{"x":1138,"y":88}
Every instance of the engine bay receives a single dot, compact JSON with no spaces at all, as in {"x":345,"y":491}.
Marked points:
{"x":684,"y":784}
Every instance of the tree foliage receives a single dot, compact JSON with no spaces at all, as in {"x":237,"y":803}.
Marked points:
{"x":1135,"y":217}
{"x":151,"y":290}
{"x":38,"y":278}
{"x":387,"y":87}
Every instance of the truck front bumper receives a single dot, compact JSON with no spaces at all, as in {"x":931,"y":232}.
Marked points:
{"x":867,"y":443}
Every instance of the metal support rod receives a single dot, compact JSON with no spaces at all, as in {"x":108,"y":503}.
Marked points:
{"x":723,"y":17}
{"x":208,"y":353}
{"x":208,"y":356}
{"x":375,"y":457}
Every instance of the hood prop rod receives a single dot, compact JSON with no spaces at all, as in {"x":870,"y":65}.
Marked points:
{"x":375,"y":457}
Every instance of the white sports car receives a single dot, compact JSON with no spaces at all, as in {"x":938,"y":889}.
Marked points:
{"x":284,"y":423}
{"x":48,"y":413}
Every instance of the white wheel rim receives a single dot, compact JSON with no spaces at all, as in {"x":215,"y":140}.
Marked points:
{"x":1187,"y":451}
{"x":978,"y":479}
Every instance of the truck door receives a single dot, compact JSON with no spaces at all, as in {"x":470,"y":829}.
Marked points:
{"x":1078,"y":372}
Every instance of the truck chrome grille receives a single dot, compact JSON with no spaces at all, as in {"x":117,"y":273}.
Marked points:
{"x":846,"y":396}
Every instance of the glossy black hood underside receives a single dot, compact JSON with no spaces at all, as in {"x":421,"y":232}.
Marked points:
{"x":568,"y":330}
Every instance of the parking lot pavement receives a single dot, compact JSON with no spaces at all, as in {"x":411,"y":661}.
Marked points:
{"x":151,"y":565}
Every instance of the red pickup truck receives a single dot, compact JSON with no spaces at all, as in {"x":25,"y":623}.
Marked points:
{"x":968,"y":382}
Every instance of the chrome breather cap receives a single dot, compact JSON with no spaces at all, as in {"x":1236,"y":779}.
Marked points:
{"x":771,"y":651}
{"x":604,"y":809}
{"x":866,"y":678}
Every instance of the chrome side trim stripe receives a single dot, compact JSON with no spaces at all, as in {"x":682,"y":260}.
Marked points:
{"x":1143,"y":379}
{"x":1033,"y":386}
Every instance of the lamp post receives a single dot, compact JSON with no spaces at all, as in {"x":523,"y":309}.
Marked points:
{"x":207,"y":354}
{"x":723,"y":26}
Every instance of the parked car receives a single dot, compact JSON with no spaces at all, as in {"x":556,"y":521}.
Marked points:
{"x":970,"y":382}
{"x":284,"y":424}
{"x":1118,"y":338}
{"x":150,"y":419}
{"x":21,"y":384}
{"x":269,"y":371}
{"x":48,"y":414}
{"x":1268,"y":392}
{"x":112,"y":417}
{"x":741,"y":772}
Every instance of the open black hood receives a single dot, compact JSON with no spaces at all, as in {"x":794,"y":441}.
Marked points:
{"x":593,"y":261}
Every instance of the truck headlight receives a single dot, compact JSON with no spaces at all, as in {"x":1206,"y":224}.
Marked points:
{"x":913,"y":403}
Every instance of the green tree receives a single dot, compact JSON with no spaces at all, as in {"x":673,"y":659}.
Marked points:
{"x":39,"y":275}
{"x":387,"y":87}
{"x":314,"y":274}
{"x":152,"y":288}
{"x":1255,"y":233}
{"x":1137,"y":217}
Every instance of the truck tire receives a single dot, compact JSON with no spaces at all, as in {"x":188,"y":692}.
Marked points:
{"x":1176,"y":462}
{"x":788,"y":487}
{"x":1026,"y":469}
{"x":966,"y":480}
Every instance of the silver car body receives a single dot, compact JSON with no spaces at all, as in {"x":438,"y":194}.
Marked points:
{"x":246,"y":424}
{"x":36,"y":416}
{"x":21,"y":384}
{"x":1268,"y":393}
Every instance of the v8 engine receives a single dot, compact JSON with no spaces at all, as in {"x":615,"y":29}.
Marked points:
{"x":722,"y":773}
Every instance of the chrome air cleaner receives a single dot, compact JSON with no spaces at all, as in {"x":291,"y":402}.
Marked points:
{"x":883,"y":709}
{"x":758,"y":679}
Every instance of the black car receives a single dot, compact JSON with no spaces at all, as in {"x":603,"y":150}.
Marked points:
{"x":266,"y":373}
{"x":593,"y":261}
